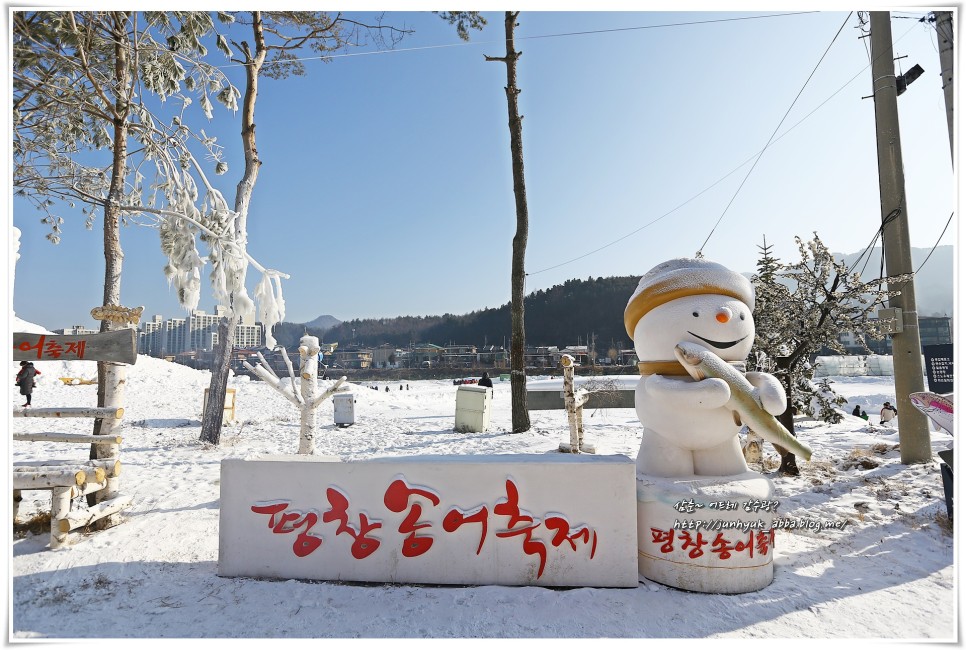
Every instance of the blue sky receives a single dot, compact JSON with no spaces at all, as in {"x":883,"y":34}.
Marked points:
{"x":386,"y":186}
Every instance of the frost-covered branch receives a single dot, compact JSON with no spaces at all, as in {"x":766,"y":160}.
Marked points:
{"x":273,"y":381}
{"x":803,"y":307}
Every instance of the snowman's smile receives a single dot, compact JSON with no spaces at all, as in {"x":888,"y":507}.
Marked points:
{"x":721,"y":345}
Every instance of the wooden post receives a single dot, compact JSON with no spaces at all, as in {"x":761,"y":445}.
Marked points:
{"x":59,"y":509}
{"x":305,"y":399}
{"x":82,"y":518}
{"x":309,"y":375}
{"x":43,"y":479}
{"x":111,"y":412}
{"x":100,"y":469}
{"x":574,"y":403}
{"x":68,"y":437}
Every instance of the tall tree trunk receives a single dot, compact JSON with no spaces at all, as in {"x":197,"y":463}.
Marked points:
{"x":112,"y":377}
{"x":214,"y":410}
{"x":518,"y":377}
{"x":214,"y":414}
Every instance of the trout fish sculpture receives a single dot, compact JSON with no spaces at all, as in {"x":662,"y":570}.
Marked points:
{"x":701,"y":363}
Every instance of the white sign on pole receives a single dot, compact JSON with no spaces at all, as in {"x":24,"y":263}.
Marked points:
{"x":543,"y":520}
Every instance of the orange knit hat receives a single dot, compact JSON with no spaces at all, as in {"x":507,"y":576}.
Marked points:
{"x":684,"y":277}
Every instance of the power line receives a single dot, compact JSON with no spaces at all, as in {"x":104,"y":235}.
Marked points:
{"x":936,"y":245}
{"x":772,"y":137}
{"x":717,"y":182}
{"x":752,"y":157}
{"x":526,"y":38}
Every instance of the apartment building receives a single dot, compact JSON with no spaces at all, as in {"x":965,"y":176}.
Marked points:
{"x":199,"y":331}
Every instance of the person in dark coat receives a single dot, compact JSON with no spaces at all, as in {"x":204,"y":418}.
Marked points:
{"x":25,"y":379}
{"x":485,"y":381}
{"x":857,"y":412}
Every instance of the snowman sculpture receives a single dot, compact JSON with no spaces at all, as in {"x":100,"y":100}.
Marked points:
{"x":704,"y":519}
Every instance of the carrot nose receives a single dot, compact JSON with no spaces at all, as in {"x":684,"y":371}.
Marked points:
{"x":723,"y":315}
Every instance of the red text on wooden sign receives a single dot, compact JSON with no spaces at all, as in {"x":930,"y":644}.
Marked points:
{"x":52,"y":349}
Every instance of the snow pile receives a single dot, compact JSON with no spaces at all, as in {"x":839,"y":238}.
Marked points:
{"x":887,"y":574}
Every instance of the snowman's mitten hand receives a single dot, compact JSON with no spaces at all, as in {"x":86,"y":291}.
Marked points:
{"x":707,"y":393}
{"x":770,"y":391}
{"x":711,"y":393}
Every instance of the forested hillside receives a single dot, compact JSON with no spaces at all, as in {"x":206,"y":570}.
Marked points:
{"x":577,"y":310}
{"x":560,"y":315}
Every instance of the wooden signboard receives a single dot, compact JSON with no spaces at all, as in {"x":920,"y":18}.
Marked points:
{"x":118,"y":345}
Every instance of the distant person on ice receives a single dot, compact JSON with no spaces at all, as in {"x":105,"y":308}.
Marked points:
{"x":25,"y":379}
{"x":485,"y":381}
{"x":887,"y":413}
{"x":857,"y":412}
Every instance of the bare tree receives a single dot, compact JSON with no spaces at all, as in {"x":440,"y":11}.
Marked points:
{"x":518,"y":376}
{"x":275,"y":38}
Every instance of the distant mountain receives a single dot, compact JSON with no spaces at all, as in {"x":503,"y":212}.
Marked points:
{"x":575,"y":312}
{"x":323,"y":322}
{"x":288,"y":334}
{"x":934,"y":281}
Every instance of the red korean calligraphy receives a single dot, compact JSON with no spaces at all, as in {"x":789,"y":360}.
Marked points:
{"x":456,"y":518}
{"x":76,"y":347}
{"x":722,"y":547}
{"x":26,"y":346}
{"x":665,"y":538}
{"x":362,"y":546}
{"x":403,"y":497}
{"x":564,"y":533}
{"x":397,"y":499}
{"x":283,"y":521}
{"x":765,"y":540}
{"x":51,"y":348}
{"x":698,"y":543}
{"x":754,"y":542}
{"x":511,"y":508}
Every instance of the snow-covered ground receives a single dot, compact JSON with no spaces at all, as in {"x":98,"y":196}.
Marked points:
{"x":888,"y":574}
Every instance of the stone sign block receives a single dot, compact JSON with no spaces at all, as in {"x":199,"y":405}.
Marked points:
{"x":544,"y":520}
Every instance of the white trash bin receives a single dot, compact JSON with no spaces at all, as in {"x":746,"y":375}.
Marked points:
{"x":473,"y":408}
{"x":343,"y":409}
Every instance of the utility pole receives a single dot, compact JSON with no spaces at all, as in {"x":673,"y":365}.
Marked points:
{"x":914,"y":444}
{"x":944,"y":36}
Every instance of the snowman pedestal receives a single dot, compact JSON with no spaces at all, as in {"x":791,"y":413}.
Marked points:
{"x":706,"y":534}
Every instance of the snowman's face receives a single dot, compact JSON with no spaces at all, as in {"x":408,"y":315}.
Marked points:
{"x":720,"y":323}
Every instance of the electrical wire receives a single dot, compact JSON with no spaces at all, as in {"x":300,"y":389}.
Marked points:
{"x":526,"y":38}
{"x":936,"y":245}
{"x":868,"y":249}
{"x":772,"y":137}
{"x":717,"y":182}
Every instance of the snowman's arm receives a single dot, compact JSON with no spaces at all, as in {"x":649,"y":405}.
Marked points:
{"x":770,"y":391}
{"x":707,"y":393}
